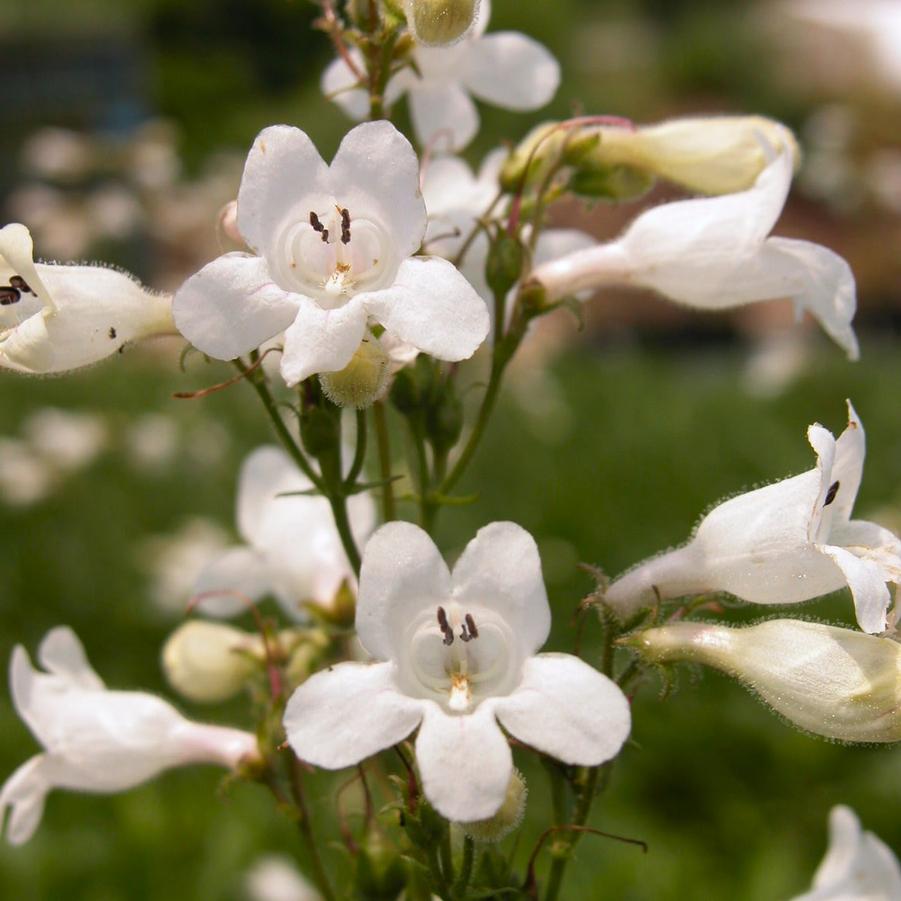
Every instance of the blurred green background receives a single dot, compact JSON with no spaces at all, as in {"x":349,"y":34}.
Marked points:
{"x":607,"y":453}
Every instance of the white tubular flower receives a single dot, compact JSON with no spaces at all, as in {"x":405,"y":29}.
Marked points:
{"x":858,"y":865}
{"x":505,"y":69}
{"x":713,"y":253}
{"x":292,"y":548}
{"x":455,"y":198}
{"x":276,"y":878}
{"x":834,"y":682}
{"x":711,"y":154}
{"x":57,"y":317}
{"x":335,"y":249}
{"x":783,"y":544}
{"x":97,"y":740}
{"x":458,"y":654}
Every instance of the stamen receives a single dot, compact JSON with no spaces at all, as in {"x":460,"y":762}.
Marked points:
{"x":19,"y":283}
{"x":468,"y":631}
{"x":444,"y":625}
{"x":831,"y":493}
{"x":345,"y":227}
{"x":316,"y":225}
{"x":9,"y":295}
{"x":325,"y":236}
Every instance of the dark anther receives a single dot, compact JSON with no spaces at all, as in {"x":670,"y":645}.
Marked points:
{"x":9,"y":295}
{"x":345,"y":227}
{"x":19,"y":283}
{"x":112,"y":333}
{"x":325,"y":236}
{"x":316,"y":225}
{"x":444,"y":625}
{"x":468,"y":630}
{"x":831,"y":493}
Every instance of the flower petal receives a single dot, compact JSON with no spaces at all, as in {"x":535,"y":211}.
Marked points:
{"x":62,"y":654}
{"x":847,"y":470}
{"x":25,"y":792}
{"x":347,"y":713}
{"x":433,"y":307}
{"x":443,"y":109}
{"x":17,"y":258}
{"x":866,"y":579}
{"x":322,"y":340}
{"x":565,"y":708}
{"x":376,"y":172}
{"x":232,"y":306}
{"x":283,"y":168}
{"x":341,"y":86}
{"x":465,"y":762}
{"x":402,"y":573}
{"x":501,"y":569}
{"x":511,"y":70}
{"x":267,"y":472}
{"x":226,"y":585}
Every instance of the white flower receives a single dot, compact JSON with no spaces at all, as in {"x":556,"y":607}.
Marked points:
{"x":713,"y":253}
{"x":292,"y":548}
{"x":456,"y":198}
{"x":335,"y":247}
{"x":505,"y":69}
{"x":67,"y":440}
{"x":458,"y":654}
{"x":97,"y":740}
{"x":275,"y":878}
{"x":830,"y":681}
{"x":858,"y":866}
{"x":57,"y":317}
{"x":788,"y":542}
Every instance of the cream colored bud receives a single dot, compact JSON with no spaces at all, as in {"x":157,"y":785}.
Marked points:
{"x":541,"y":144}
{"x":440,"y":21}
{"x":362,"y":381}
{"x":210,"y":662}
{"x":508,"y":817}
{"x":830,"y":681}
{"x":716,"y":155}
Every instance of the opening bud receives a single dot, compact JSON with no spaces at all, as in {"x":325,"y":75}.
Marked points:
{"x":440,"y":21}
{"x":716,"y":155}
{"x":362,"y":381}
{"x":209,"y":662}
{"x":506,"y":819}
{"x":834,"y":682}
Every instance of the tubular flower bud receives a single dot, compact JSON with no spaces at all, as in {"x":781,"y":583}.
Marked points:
{"x":507,"y":819}
{"x":362,"y":381}
{"x":98,"y":740}
{"x":834,"y":682}
{"x":58,"y":317}
{"x":716,"y":155}
{"x":439,"y":22}
{"x":785,"y":543}
{"x":210,"y":662}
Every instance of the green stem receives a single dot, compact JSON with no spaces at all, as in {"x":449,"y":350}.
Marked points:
{"x":389,"y":509}
{"x":422,"y":474}
{"x":356,"y":467}
{"x":258,"y":382}
{"x":342,"y":524}
{"x":447,"y":859}
{"x":320,"y":877}
{"x":469,"y":854}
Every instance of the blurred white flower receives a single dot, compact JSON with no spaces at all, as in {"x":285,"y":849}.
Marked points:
{"x":834,"y":682}
{"x":59,"y":153}
{"x":713,"y":253}
{"x":275,"y":878}
{"x":97,"y":740}
{"x":292,"y":548}
{"x":457,"y":656}
{"x":788,"y":542}
{"x":152,"y":441}
{"x":57,"y":317}
{"x":336,"y":247}
{"x":25,"y":478}
{"x":858,"y":866}
{"x":505,"y":69}
{"x":67,"y":440}
{"x":173,"y":561}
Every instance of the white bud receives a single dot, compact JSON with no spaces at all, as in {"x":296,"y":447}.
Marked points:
{"x":830,"y":681}
{"x":508,"y":816}
{"x":210,"y":662}
{"x":716,"y":155}
{"x":362,"y":381}
{"x":440,"y":21}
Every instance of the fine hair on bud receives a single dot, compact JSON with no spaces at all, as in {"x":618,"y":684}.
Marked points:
{"x":508,"y":817}
{"x":362,"y":381}
{"x":441,"y":22}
